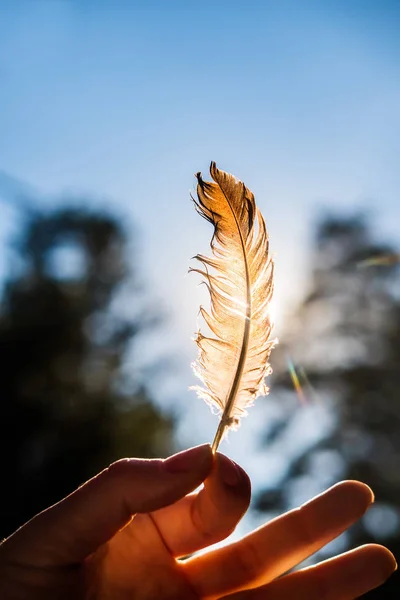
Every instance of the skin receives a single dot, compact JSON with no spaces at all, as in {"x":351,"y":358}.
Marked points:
{"x":120,"y":534}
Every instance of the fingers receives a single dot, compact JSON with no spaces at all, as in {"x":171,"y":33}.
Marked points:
{"x":75,"y":527}
{"x":281,"y":544}
{"x":342,"y":578}
{"x":206,"y":517}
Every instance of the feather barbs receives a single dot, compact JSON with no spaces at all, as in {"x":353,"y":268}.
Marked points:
{"x":239,"y":276}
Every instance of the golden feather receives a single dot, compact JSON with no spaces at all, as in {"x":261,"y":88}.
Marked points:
{"x":233,"y":362}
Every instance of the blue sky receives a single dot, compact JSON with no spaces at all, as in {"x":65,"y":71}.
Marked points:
{"x":125,"y":101}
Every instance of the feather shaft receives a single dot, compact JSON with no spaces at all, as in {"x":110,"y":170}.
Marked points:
{"x":233,"y":365}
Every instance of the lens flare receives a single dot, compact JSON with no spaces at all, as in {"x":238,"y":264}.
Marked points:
{"x":296,"y":382}
{"x":311,"y":389}
{"x":384,"y":260}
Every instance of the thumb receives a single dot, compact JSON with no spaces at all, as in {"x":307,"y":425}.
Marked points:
{"x":75,"y":527}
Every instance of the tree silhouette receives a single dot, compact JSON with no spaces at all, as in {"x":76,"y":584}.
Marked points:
{"x":344,"y":342}
{"x":65,"y":411}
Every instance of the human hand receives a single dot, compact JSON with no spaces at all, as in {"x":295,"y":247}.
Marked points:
{"x":90,"y":547}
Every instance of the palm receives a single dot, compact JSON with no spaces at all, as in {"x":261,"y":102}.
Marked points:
{"x":140,"y":561}
{"x":136,"y":563}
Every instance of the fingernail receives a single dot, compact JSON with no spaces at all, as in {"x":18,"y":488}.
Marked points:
{"x":229,"y":471}
{"x":194,"y":458}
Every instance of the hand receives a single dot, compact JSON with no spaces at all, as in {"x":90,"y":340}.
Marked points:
{"x":119,"y":536}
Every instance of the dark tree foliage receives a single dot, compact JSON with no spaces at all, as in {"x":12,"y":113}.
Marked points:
{"x":345,"y":344}
{"x":65,"y":413}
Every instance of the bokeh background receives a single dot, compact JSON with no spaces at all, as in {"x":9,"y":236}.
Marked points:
{"x":107,"y":109}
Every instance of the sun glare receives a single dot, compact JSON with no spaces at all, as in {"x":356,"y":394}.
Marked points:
{"x":273,"y":310}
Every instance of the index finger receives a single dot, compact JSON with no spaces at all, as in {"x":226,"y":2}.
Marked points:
{"x":208,"y":516}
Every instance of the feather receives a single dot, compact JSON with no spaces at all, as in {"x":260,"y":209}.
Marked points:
{"x":233,"y":360}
